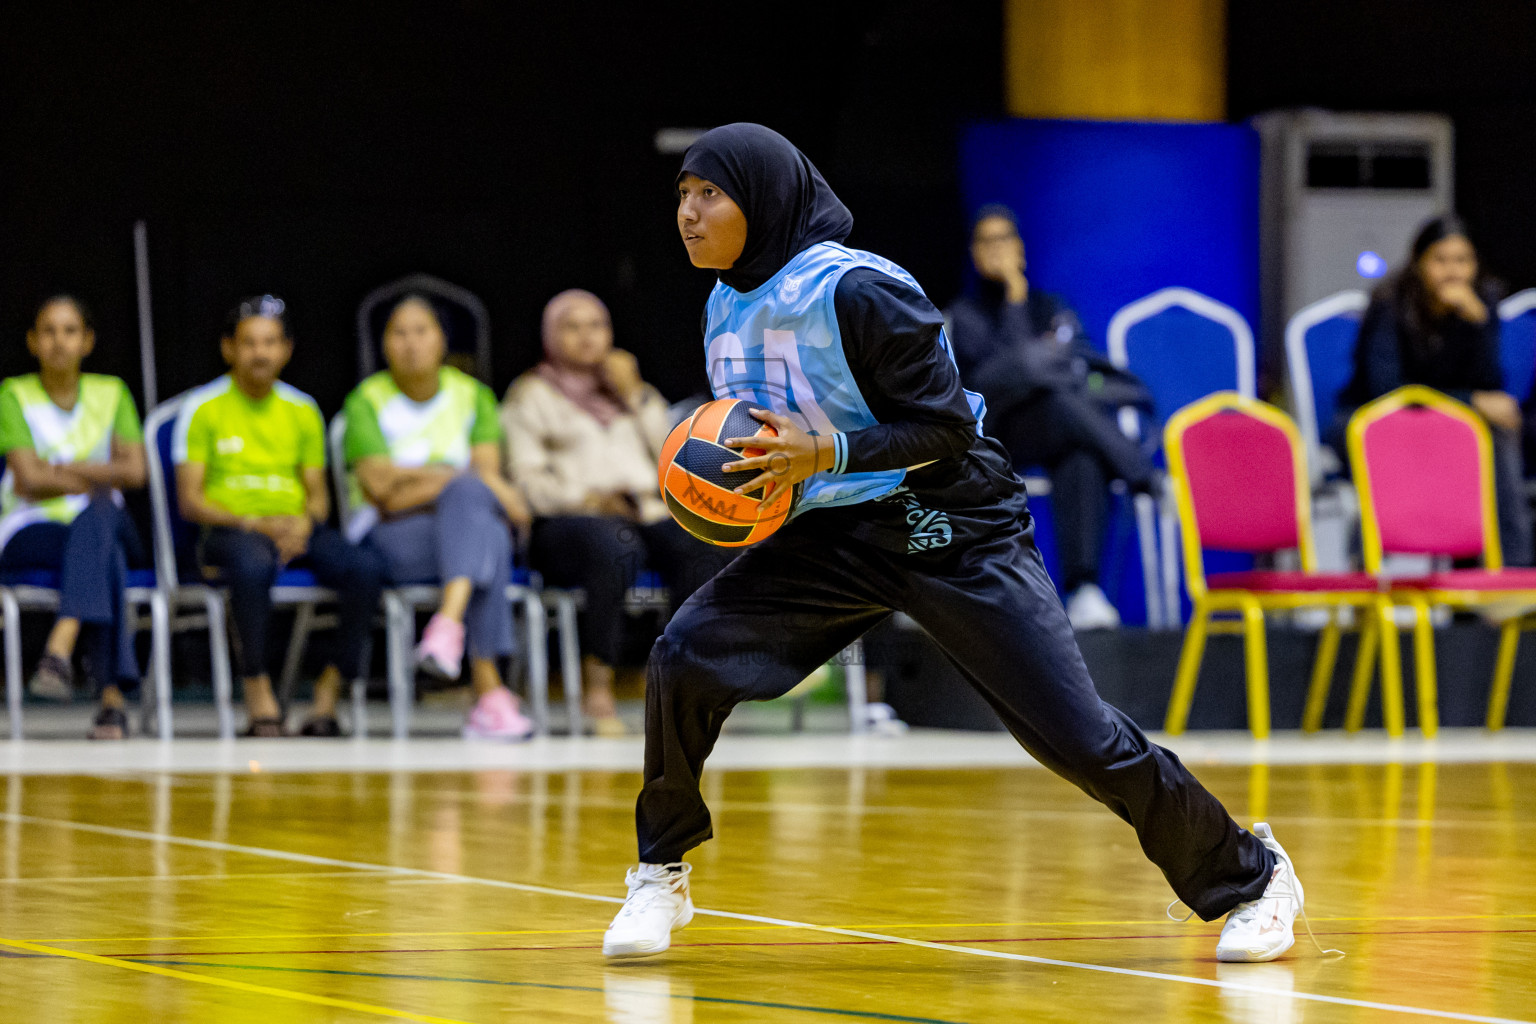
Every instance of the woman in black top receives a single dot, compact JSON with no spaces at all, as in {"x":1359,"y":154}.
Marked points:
{"x":1434,"y":323}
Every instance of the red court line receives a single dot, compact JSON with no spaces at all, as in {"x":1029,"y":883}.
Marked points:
{"x":831,"y":942}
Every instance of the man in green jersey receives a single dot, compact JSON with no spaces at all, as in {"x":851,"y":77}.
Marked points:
{"x":250,"y":468}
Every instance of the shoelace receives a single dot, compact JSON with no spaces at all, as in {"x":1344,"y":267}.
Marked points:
{"x":647,"y":889}
{"x":1254,"y":903}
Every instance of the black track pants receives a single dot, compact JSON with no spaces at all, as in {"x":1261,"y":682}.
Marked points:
{"x":793,"y":602}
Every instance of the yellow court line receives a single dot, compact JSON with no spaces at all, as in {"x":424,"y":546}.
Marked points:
{"x":744,"y":928}
{"x":239,"y":986}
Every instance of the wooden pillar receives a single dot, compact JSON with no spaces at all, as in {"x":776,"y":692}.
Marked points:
{"x":1117,"y":60}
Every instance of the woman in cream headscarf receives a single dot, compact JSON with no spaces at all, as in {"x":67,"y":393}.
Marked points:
{"x":583,"y":432}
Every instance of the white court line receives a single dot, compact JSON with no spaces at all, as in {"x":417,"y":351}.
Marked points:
{"x":309,"y":858}
{"x":263,"y":875}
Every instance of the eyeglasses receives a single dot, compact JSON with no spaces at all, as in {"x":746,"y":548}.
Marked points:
{"x":263,"y":305}
{"x":994,"y":239}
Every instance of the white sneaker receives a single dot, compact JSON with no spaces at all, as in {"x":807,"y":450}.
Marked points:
{"x":1261,"y":929}
{"x":1088,"y":608}
{"x":658,"y":905}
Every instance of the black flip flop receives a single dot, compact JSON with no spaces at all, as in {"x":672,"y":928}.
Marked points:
{"x":265,"y":729}
{"x":107,"y":719}
{"x":324,"y":726}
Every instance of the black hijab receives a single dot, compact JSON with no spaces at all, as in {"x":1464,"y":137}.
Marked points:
{"x":788,"y":204}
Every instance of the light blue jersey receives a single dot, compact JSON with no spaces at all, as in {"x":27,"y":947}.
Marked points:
{"x":779,"y":346}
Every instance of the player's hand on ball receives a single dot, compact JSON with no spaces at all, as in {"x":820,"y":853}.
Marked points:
{"x":787,"y":459}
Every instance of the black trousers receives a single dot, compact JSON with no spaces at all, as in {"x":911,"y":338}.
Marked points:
{"x":792,"y":602}
{"x":248,"y":564}
{"x":1082,"y":449}
{"x":602,"y":555}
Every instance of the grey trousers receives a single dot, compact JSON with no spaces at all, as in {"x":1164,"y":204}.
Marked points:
{"x":463,"y":534}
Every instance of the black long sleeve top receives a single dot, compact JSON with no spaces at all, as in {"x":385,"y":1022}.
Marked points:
{"x":1458,"y":357}
{"x":890,"y":335}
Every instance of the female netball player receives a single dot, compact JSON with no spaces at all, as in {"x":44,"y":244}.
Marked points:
{"x":906,"y":506}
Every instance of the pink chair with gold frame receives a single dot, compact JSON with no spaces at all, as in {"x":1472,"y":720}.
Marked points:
{"x":1423,"y":464}
{"x":1240,"y":481}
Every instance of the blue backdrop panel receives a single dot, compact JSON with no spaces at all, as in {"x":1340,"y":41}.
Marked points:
{"x":1111,"y":212}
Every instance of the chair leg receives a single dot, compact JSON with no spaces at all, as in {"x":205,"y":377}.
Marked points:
{"x":360,"y":709}
{"x":857,"y":682}
{"x":1426,"y":672}
{"x":1188,"y":673}
{"x":1146,"y":537}
{"x":1365,"y":670}
{"x":1256,"y":653}
{"x":1504,"y":672}
{"x":1322,"y":673}
{"x":223,"y":672}
{"x":570,"y":660}
{"x":13,"y":683}
{"x":160,"y":662}
{"x":303,"y":625}
{"x":1168,"y":549}
{"x":1391,"y":669}
{"x":537,"y":641}
{"x":397,"y":659}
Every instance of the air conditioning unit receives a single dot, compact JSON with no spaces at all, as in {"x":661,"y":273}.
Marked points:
{"x":1341,"y":195}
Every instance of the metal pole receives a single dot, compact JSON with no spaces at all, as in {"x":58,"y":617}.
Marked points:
{"x":146,"y":321}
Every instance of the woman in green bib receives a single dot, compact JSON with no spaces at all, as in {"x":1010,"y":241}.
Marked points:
{"x":424,"y":446}
{"x":71,"y":441}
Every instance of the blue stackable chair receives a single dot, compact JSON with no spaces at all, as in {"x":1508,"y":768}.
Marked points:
{"x":1517,"y":342}
{"x":1319,"y":359}
{"x":178,"y":582}
{"x":1184,"y":346}
{"x":38,"y":590}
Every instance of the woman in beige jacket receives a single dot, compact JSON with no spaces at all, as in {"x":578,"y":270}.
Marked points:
{"x":583,"y":432}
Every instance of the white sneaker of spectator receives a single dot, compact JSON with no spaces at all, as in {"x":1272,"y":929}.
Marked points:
{"x":1088,"y":608}
{"x":496,"y":716}
{"x":882,"y":721}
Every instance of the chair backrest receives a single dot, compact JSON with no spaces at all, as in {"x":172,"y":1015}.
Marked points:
{"x":175,"y":539}
{"x":1423,"y":464}
{"x":1517,"y":342}
{"x":1319,"y":359}
{"x":1240,"y":480}
{"x":465,"y":321}
{"x":1183,"y":346}
{"x":335,"y":455}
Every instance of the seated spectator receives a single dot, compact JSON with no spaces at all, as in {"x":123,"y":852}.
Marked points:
{"x":250,"y":469}
{"x":1435,"y":323}
{"x":70,"y":441}
{"x":1049,"y":400}
{"x":583,"y":436}
{"x":424,"y":446}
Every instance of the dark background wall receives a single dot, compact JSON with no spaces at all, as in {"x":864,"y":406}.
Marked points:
{"x":1473,"y":59}
{"x":317,"y":150}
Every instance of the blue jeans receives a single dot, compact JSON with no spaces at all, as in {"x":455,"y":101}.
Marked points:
{"x":91,"y":556}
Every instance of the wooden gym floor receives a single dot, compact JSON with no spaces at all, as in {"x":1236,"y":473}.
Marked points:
{"x":859,"y":894}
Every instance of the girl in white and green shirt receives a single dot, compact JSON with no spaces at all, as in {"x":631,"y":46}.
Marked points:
{"x":71,"y":442}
